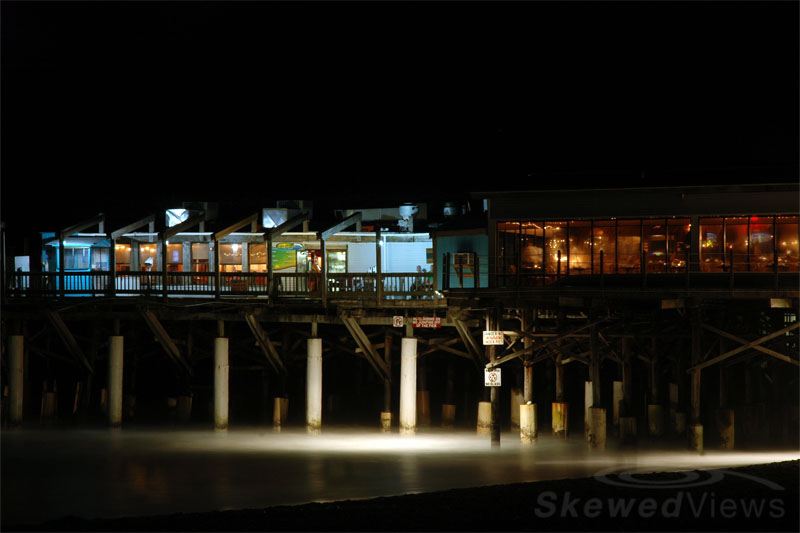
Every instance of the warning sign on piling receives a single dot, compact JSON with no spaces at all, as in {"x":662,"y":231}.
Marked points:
{"x":491,"y":377}
{"x":492,"y":338}
{"x":397,"y":321}
{"x":426,"y":322}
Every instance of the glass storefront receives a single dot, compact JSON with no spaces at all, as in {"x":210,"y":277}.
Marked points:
{"x":786,"y":239}
{"x":148,"y":256}
{"x":257,"y":254}
{"x":122,"y":257}
{"x":555,"y":247}
{"x":629,"y":242}
{"x":678,"y":231}
{"x":76,"y":258}
{"x":230,"y":257}
{"x":337,"y":262}
{"x":604,"y":245}
{"x":580,"y":247}
{"x":529,"y":250}
{"x":200,"y":257}
{"x":174,"y":258}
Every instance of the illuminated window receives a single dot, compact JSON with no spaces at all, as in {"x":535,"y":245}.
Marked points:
{"x":258,"y":257}
{"x":175,"y":257}
{"x":148,"y":256}
{"x":76,"y":258}
{"x":654,"y":245}
{"x":736,"y":243}
{"x":678,"y":231}
{"x":711,"y":245}
{"x":199,"y":257}
{"x":230,"y":257}
{"x":100,"y":259}
{"x":337,"y":262}
{"x":508,"y":252}
{"x":605,"y":241}
{"x":122,"y":257}
{"x":786,"y":239}
{"x":580,"y":247}
{"x":531,"y":253}
{"x":555,"y":241}
{"x":761,"y":238}
{"x":629,"y":242}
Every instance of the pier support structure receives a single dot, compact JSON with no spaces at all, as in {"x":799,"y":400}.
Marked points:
{"x":115,"y":372}
{"x":221,"y":382}
{"x":16,"y":344}
{"x":314,"y":386}
{"x":408,"y":386}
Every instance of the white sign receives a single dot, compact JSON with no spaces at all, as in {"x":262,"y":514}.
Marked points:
{"x":492,"y":338}
{"x":491,"y":378}
{"x":397,"y":321}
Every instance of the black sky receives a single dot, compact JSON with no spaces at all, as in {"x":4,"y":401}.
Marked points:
{"x":128,"y":107}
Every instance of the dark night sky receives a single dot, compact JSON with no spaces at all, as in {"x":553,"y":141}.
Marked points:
{"x":126,"y":108}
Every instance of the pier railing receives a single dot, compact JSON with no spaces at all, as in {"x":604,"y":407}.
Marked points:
{"x":211,"y":284}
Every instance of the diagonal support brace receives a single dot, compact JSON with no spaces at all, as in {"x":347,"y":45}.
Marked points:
{"x":267,"y":348}
{"x":166,"y":341}
{"x":68,"y":339}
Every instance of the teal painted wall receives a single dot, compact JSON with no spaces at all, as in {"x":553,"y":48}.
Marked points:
{"x":463,"y":243}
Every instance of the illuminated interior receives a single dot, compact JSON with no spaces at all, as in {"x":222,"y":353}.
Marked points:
{"x":537,"y":252}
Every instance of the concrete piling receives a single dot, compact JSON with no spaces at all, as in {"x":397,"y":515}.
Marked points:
{"x":423,"y":408}
{"x":673,"y":408}
{"x":655,"y":420}
{"x":560,"y":419}
{"x":386,"y":421}
{"x":314,"y":386}
{"x":448,"y":416}
{"x":528,"y":431}
{"x":617,"y":396}
{"x":588,"y":398}
{"x":696,"y":437}
{"x":725,"y":426}
{"x":221,"y":383}
{"x":115,"y":372}
{"x":597,"y":428}
{"x":484,"y":418}
{"x":280,"y":413}
{"x":627,"y":430}
{"x":183,"y":406}
{"x":15,"y":379}
{"x":408,"y":386}
{"x":680,"y":424}
{"x":49,"y":406}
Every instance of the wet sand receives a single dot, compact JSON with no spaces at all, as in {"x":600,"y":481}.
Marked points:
{"x":754,"y":498}
{"x":364,"y":480}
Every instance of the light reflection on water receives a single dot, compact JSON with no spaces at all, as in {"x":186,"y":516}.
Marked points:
{"x":100,"y":473}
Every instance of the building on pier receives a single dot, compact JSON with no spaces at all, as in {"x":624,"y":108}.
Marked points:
{"x":660,"y":313}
